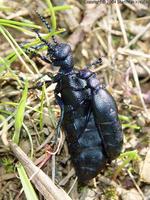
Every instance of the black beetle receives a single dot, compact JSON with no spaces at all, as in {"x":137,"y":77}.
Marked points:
{"x":89,"y":113}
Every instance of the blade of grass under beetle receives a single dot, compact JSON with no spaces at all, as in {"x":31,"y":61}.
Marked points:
{"x":20,"y":114}
{"x":27,"y":186}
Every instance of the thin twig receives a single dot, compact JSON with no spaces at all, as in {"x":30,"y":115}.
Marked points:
{"x":72,"y":185}
{"x":121,"y":22}
{"x":135,"y":39}
{"x":137,"y":187}
{"x":133,"y":53}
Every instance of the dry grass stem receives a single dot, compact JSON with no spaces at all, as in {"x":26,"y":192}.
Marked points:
{"x":41,"y":181}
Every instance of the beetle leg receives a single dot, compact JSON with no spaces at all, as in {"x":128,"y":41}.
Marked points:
{"x":44,"y":58}
{"x":39,"y":83}
{"x":31,"y":50}
{"x":35,"y":54}
{"x":96,"y":62}
{"x":59,"y":124}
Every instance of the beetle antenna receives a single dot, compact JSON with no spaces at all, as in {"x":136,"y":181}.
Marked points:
{"x":42,"y":18}
{"x":39,"y":36}
{"x":96,"y":62}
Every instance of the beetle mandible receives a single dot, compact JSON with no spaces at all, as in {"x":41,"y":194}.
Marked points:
{"x":89,"y":113}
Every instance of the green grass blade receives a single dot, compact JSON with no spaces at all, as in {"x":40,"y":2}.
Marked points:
{"x":53,"y":17}
{"x":19,"y":26}
{"x":3,"y":65}
{"x":27,"y":186}
{"x":132,"y":126}
{"x":5,"y":112}
{"x":20,"y":50}
{"x":132,"y":155}
{"x":20,"y":114}
{"x":8,"y":21}
{"x":62,"y":8}
{"x":126,"y":158}
{"x":31,"y":33}
{"x":11,"y":41}
{"x":12,"y":56}
{"x":124,"y":118}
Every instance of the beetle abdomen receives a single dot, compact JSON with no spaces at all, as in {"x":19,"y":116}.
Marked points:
{"x":85,"y":147}
{"x":112,"y":135}
{"x":89,"y":163}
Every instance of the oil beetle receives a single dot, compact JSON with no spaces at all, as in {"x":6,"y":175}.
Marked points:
{"x":89,"y":114}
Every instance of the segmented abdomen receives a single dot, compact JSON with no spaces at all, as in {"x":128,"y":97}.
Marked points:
{"x":84,"y":144}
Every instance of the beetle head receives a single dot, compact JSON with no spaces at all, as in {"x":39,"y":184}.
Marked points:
{"x":60,"y":55}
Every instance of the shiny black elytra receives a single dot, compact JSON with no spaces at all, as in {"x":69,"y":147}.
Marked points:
{"x":89,"y":113}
